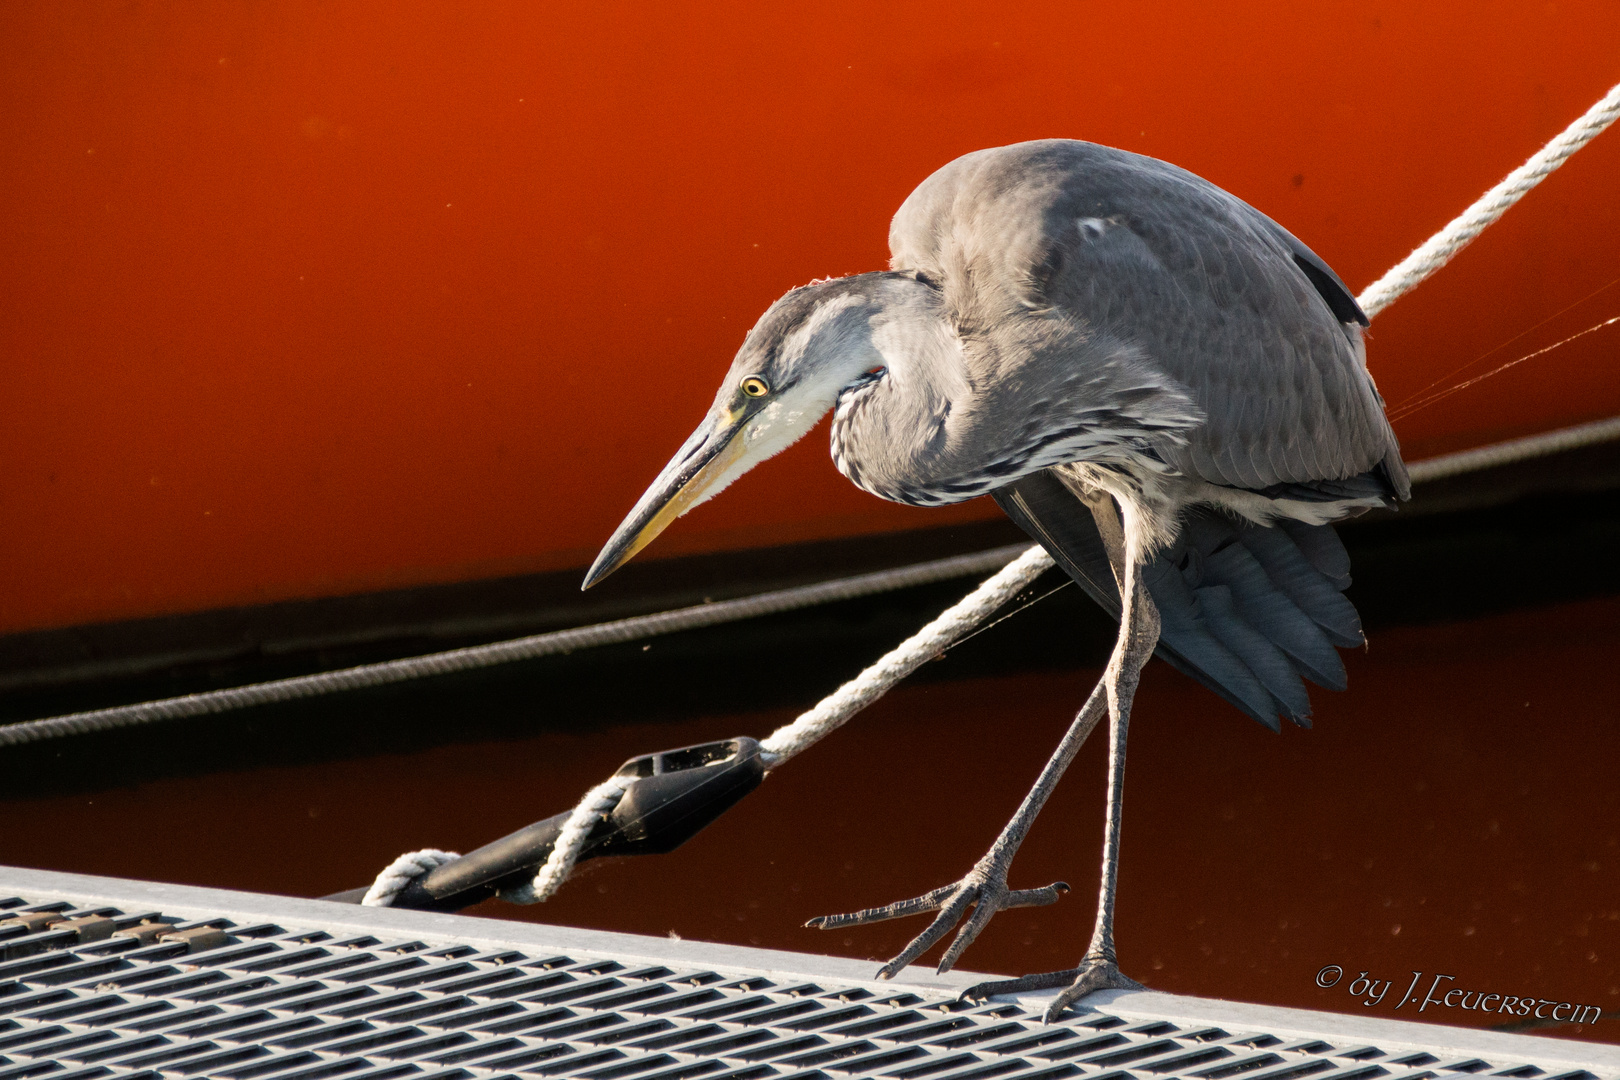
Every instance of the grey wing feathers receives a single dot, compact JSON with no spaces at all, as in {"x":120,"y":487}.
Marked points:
{"x":1041,"y":506}
{"x":1246,"y":610}
{"x":1332,"y":289}
{"x":1226,"y":303}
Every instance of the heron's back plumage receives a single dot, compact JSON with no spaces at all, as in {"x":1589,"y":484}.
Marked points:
{"x":1127,"y":254}
{"x":1054,"y":256}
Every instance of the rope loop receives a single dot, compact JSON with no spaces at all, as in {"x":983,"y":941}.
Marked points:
{"x":402,"y":871}
{"x":597,"y":804}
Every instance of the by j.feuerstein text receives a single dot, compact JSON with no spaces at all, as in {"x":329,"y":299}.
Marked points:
{"x":1440,"y":990}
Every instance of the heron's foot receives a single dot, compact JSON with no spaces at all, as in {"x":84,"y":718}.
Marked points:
{"x":1094,"y":973}
{"x":984,"y":889}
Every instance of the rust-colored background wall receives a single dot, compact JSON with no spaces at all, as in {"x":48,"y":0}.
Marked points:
{"x":303,"y":298}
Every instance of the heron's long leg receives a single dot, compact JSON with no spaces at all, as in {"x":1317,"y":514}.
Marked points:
{"x":1099,"y":968}
{"x":1123,"y":677}
{"x":985,"y":886}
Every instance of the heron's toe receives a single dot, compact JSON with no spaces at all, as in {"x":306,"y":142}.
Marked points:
{"x":984,"y":890}
{"x":916,"y":906}
{"x":1093,"y":975}
{"x":1076,"y":983}
{"x":1027,"y":984}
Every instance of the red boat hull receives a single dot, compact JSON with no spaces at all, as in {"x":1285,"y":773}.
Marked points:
{"x":307,"y":299}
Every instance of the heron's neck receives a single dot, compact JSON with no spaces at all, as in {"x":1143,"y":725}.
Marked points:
{"x":919,"y":346}
{"x":887,"y":417}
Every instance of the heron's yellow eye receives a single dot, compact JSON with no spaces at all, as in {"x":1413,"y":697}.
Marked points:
{"x":754,"y":386}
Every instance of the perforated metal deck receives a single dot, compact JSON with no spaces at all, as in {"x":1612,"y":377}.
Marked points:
{"x":148,"y":980}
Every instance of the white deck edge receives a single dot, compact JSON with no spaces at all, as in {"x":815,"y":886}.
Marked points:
{"x":193,"y":902}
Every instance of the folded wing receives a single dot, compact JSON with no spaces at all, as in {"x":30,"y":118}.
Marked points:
{"x":1249,"y":611}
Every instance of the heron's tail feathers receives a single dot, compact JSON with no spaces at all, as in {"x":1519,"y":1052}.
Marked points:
{"x":1248,"y":611}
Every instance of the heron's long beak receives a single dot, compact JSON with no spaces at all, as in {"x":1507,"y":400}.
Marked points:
{"x":707,"y":457}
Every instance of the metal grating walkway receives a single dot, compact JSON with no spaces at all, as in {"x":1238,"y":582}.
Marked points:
{"x":178,"y":982}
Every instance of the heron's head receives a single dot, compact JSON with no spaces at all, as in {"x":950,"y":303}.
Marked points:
{"x":805,"y":350}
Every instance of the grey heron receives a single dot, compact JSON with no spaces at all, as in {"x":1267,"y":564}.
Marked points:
{"x":1159,"y":383}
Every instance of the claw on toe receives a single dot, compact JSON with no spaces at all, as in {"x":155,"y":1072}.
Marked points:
{"x":1091,"y":976}
{"x":1094,"y":975}
{"x":1036,"y":897}
{"x":985,"y":896}
{"x":979,"y":993}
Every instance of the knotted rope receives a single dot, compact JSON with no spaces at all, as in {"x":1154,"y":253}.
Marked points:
{"x":597,"y":804}
{"x":402,"y":871}
{"x":828,"y":714}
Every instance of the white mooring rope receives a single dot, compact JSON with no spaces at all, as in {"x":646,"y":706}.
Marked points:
{"x":597,"y":804}
{"x":829,"y":713}
{"x":402,"y":871}
{"x":1438,"y":249}
{"x":833,"y":710}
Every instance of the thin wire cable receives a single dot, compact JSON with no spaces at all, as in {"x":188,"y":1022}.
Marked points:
{"x":1404,"y":402}
{"x":502,"y":652}
{"x":1441,"y":395}
{"x":1439,"y":249}
{"x":997,"y":622}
